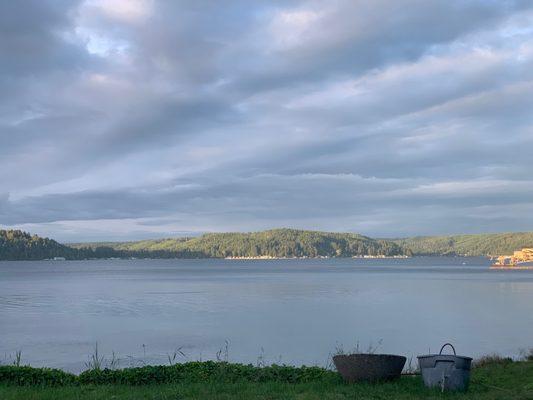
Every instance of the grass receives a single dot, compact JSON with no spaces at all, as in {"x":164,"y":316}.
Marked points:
{"x":492,"y":359}
{"x":491,"y":381}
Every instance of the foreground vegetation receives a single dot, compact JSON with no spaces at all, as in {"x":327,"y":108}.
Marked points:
{"x":494,"y":379}
{"x":17,"y":245}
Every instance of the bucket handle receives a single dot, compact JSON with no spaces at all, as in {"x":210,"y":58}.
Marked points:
{"x":447,"y":344}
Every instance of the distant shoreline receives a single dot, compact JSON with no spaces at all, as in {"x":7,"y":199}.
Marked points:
{"x":268,"y":258}
{"x":308,"y":258}
{"x":275,"y":244}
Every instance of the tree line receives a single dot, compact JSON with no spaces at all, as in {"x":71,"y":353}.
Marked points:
{"x":18,"y":245}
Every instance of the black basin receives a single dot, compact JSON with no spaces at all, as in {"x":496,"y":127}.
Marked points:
{"x":369,"y":367}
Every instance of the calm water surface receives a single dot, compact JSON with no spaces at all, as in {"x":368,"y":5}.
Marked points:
{"x":289,"y":311}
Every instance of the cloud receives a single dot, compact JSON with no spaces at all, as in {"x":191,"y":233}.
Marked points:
{"x":385,"y":118}
{"x":34,"y":39}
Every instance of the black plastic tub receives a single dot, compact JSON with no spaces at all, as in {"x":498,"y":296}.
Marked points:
{"x":369,"y":367}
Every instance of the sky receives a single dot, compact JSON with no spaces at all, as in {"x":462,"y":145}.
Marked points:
{"x":131,"y":119}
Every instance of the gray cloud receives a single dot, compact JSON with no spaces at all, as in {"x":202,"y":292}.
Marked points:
{"x":146,"y":118}
{"x":32,"y":38}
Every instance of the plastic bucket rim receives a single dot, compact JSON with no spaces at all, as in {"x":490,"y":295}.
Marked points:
{"x":444,"y":355}
{"x":369,"y":354}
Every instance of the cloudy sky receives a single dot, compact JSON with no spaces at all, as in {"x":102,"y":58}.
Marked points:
{"x":127,"y":119}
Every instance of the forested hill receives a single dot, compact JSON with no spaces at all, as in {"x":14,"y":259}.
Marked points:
{"x":470,"y":245}
{"x":272,"y":243}
{"x":18,"y":245}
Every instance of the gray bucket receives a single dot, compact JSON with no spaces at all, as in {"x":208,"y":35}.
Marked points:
{"x":445,"y":371}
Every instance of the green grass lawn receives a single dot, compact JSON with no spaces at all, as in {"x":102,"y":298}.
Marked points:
{"x":506,"y":381}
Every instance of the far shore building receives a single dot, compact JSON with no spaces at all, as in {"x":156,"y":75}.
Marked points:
{"x":519,"y":256}
{"x":524,"y":254}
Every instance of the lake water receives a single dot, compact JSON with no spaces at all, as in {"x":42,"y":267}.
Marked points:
{"x":288,"y":311}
